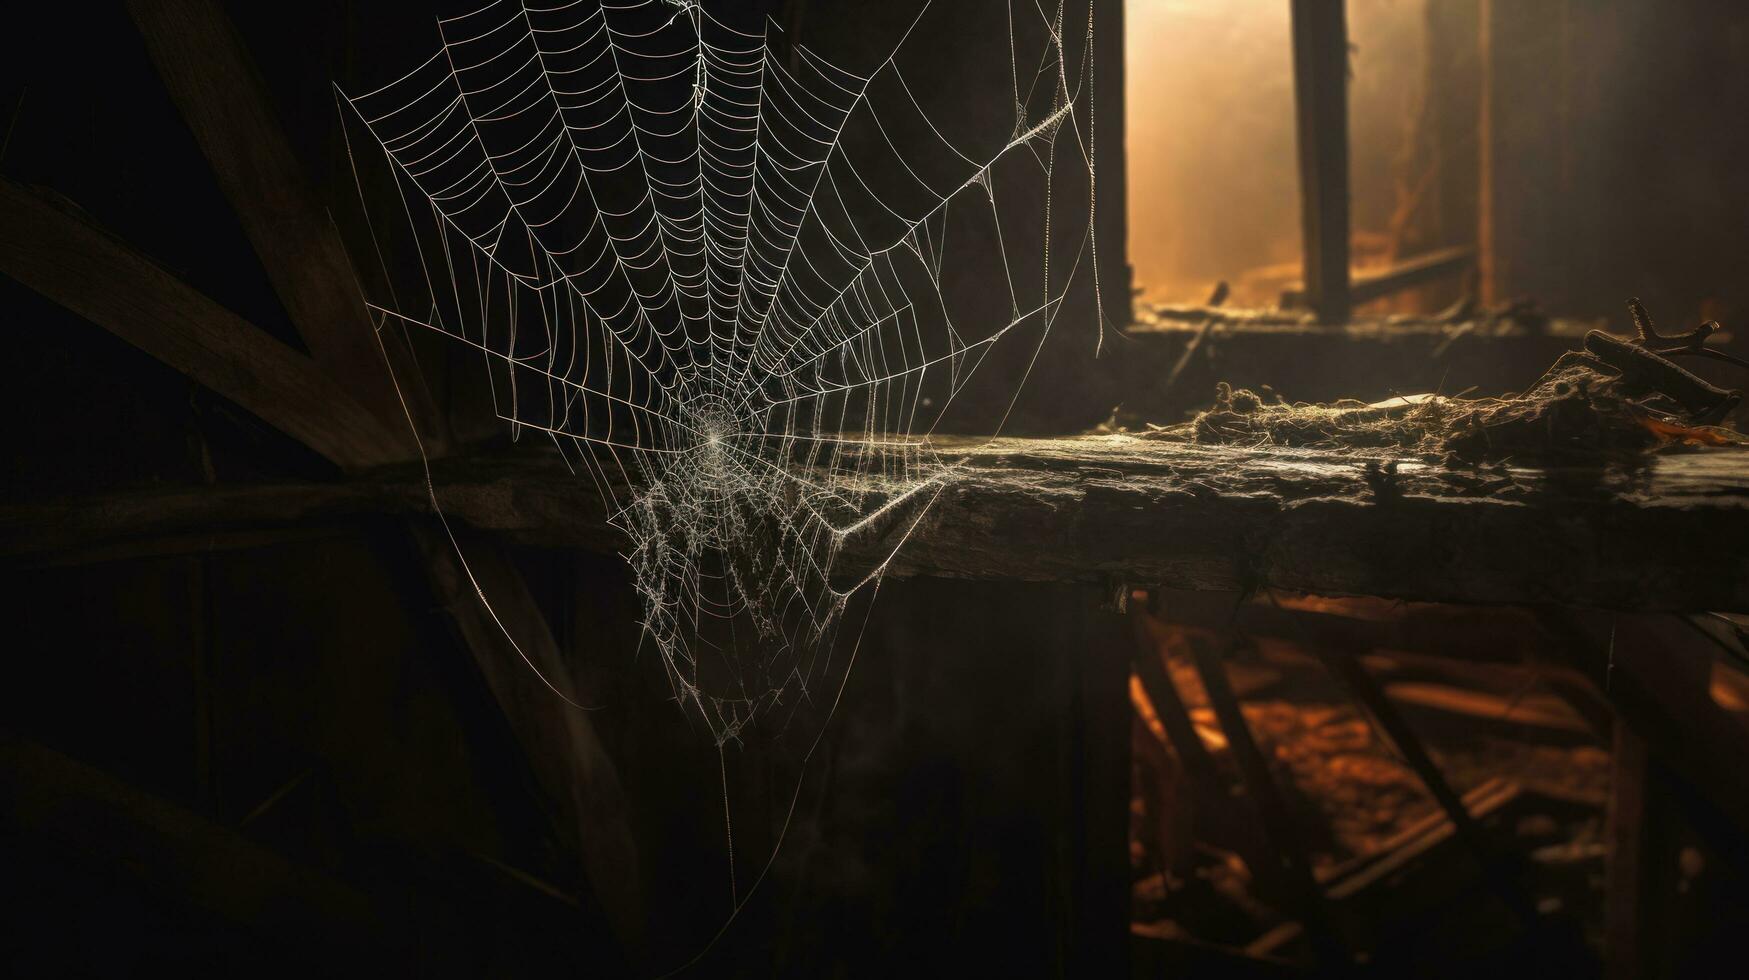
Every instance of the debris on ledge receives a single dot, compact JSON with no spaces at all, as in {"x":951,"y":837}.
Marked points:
{"x":1615,"y":398}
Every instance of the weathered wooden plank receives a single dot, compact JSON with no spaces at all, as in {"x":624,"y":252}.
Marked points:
{"x":1217,"y":517}
{"x":210,"y":77}
{"x":76,"y":264}
{"x":508,"y":637}
{"x":1664,"y":537}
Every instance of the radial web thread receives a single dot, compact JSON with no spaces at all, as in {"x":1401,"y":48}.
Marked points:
{"x":713,"y":268}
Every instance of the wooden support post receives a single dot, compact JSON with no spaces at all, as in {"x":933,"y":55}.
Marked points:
{"x":1292,"y":868}
{"x":1099,"y":788}
{"x":1109,"y":67}
{"x":1625,"y":833}
{"x":1647,"y":902}
{"x":80,"y":266}
{"x":1532,"y":233}
{"x":202,"y":62}
{"x":1320,"y":38}
{"x":1452,"y":115}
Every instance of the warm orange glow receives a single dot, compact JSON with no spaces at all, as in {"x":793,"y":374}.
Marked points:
{"x":1213,"y":178}
{"x":1213,"y":190}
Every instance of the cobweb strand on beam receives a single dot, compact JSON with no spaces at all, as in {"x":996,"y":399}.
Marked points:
{"x":722,"y":274}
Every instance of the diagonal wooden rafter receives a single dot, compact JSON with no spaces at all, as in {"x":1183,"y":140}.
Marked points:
{"x":78,"y":265}
{"x":516,"y":653}
{"x":210,"y":77}
{"x":54,"y":802}
{"x":83,"y":823}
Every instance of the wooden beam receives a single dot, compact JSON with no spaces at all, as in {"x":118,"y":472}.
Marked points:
{"x":1320,"y":39}
{"x":1365,"y":888}
{"x":1100,"y":507}
{"x":1407,"y":744}
{"x":1353,"y":878}
{"x":1421,"y":270}
{"x":197,"y":543}
{"x":1409,"y":748}
{"x":1289,"y":866}
{"x":62,"y":817}
{"x":65,"y":257}
{"x":1174,"y":717}
{"x":507,"y":634}
{"x":210,"y":77}
{"x":49,"y":800}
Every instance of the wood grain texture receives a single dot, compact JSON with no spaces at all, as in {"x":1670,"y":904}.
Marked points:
{"x":215,"y":86}
{"x":65,"y":257}
{"x":1667,"y":536}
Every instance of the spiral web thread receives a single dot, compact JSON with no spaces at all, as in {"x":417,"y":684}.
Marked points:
{"x":708,"y":265}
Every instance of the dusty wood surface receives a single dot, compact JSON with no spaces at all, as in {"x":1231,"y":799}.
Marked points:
{"x":1668,"y":536}
{"x":203,"y":64}
{"x":76,"y":264}
{"x":1174,"y":356}
{"x":1169,"y":320}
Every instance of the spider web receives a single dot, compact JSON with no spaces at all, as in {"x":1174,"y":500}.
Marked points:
{"x":708,"y":264}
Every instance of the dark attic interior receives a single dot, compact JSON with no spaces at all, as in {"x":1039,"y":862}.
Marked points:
{"x":1060,"y":488}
